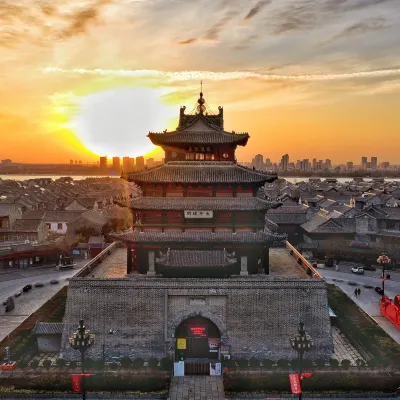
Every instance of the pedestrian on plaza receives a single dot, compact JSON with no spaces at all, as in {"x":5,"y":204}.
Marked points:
{"x":355,"y":292}
{"x":359,"y":291}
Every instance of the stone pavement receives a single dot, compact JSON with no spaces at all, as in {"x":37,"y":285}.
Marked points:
{"x":343,"y":350}
{"x":114,"y":266}
{"x":196,"y":388}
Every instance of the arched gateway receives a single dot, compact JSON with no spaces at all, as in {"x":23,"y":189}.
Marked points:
{"x":197,"y":338}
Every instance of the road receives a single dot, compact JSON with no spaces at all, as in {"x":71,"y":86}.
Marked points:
{"x":369,"y":299}
{"x":27,"y":303}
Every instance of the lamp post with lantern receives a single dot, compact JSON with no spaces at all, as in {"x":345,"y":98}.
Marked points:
{"x":301,"y":343}
{"x":383,"y":260}
{"x":81,"y":340}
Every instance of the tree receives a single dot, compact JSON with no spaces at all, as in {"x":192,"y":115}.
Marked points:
{"x":47,"y":364}
{"x":60,"y":362}
{"x":153,"y":363}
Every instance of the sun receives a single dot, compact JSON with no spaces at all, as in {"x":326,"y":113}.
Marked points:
{"x":115,"y":122}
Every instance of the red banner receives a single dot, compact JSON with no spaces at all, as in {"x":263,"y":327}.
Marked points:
{"x":76,"y":382}
{"x":305,"y":375}
{"x":295,"y":383}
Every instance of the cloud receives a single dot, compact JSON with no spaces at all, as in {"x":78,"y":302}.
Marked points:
{"x":347,"y":5}
{"x":370,"y":24}
{"x":213,"y":33}
{"x":225,"y":76}
{"x":256,"y":9}
{"x":188,"y":41}
{"x":81,"y":19}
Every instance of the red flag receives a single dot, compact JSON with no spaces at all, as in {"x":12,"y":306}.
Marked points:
{"x":76,"y":382}
{"x":295,"y":383}
{"x":305,"y":375}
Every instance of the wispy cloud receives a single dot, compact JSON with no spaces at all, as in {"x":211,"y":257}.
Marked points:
{"x":188,"y":41}
{"x":370,"y":24}
{"x":256,"y":9}
{"x":213,"y":33}
{"x":225,"y":76}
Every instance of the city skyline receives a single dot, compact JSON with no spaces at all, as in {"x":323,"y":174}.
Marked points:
{"x":300,"y":78}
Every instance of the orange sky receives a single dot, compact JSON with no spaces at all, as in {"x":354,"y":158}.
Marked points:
{"x":325,"y":84}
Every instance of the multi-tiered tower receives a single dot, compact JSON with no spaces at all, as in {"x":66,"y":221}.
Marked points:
{"x":201,"y":200}
{"x":199,"y":284}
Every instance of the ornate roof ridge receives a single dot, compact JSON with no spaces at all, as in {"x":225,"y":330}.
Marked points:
{"x":202,"y":118}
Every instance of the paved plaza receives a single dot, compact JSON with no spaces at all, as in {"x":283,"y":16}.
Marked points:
{"x":196,"y":388}
{"x":114,"y":266}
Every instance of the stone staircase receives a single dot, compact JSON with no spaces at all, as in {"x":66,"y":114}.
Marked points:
{"x":196,"y":388}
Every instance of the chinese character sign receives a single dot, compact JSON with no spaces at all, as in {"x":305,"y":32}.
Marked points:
{"x":295,"y":383}
{"x":198,"y":213}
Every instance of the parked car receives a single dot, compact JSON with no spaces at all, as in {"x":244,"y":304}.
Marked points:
{"x":17,"y":294}
{"x":357,"y":270}
{"x":39,"y":284}
{"x":27,"y":288}
{"x":378,"y":290}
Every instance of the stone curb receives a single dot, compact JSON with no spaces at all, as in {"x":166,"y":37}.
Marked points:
{"x":260,"y":396}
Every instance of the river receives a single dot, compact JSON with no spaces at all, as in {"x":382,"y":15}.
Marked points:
{"x":80,"y":177}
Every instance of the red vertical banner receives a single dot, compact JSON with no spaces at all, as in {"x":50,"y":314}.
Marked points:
{"x":295,"y":383}
{"x":76,"y":382}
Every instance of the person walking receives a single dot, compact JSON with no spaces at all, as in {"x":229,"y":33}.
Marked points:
{"x":358,"y":292}
{"x":355,"y":292}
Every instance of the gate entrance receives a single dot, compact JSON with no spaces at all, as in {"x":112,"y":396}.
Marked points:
{"x":197,"y":339}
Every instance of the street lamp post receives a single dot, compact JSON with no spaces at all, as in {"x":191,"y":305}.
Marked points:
{"x":383,"y":260}
{"x":81,"y":340}
{"x":301,"y":342}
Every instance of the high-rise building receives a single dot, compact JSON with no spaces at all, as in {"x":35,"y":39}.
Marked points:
{"x":285,"y":162}
{"x":128,"y":164}
{"x":258,"y":161}
{"x":374,"y":162}
{"x":349,"y":165}
{"x":384,"y":165}
{"x":71,"y":162}
{"x":328,"y":164}
{"x":314,"y":164}
{"x":103,"y":162}
{"x":139,"y":162}
{"x":268,"y":162}
{"x":364,"y":162}
{"x":116,"y":163}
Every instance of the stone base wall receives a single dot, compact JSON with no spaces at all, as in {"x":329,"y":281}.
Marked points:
{"x":49,"y":343}
{"x":256,"y":316}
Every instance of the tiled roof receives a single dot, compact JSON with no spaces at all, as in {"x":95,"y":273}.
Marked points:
{"x":92,"y":216}
{"x":48,"y":328}
{"x":314,"y":222}
{"x":199,"y":131}
{"x":199,"y":137}
{"x":53,"y":216}
{"x":298,"y":209}
{"x":200,"y":172}
{"x":199,"y":236}
{"x":196,"y":258}
{"x":6,"y":209}
{"x":202,"y":203}
{"x":27,"y":225}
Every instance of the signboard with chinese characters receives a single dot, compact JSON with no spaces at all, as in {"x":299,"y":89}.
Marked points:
{"x":215,"y":369}
{"x":197,"y":331}
{"x":213,"y":345}
{"x":181,"y":343}
{"x":198,"y":214}
{"x":295,"y":383}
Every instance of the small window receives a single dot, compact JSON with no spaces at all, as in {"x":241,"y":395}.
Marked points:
{"x":59,"y":226}
{"x":48,"y":225}
{"x":390,"y":225}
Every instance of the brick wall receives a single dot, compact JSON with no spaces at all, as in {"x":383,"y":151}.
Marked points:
{"x":256,"y":316}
